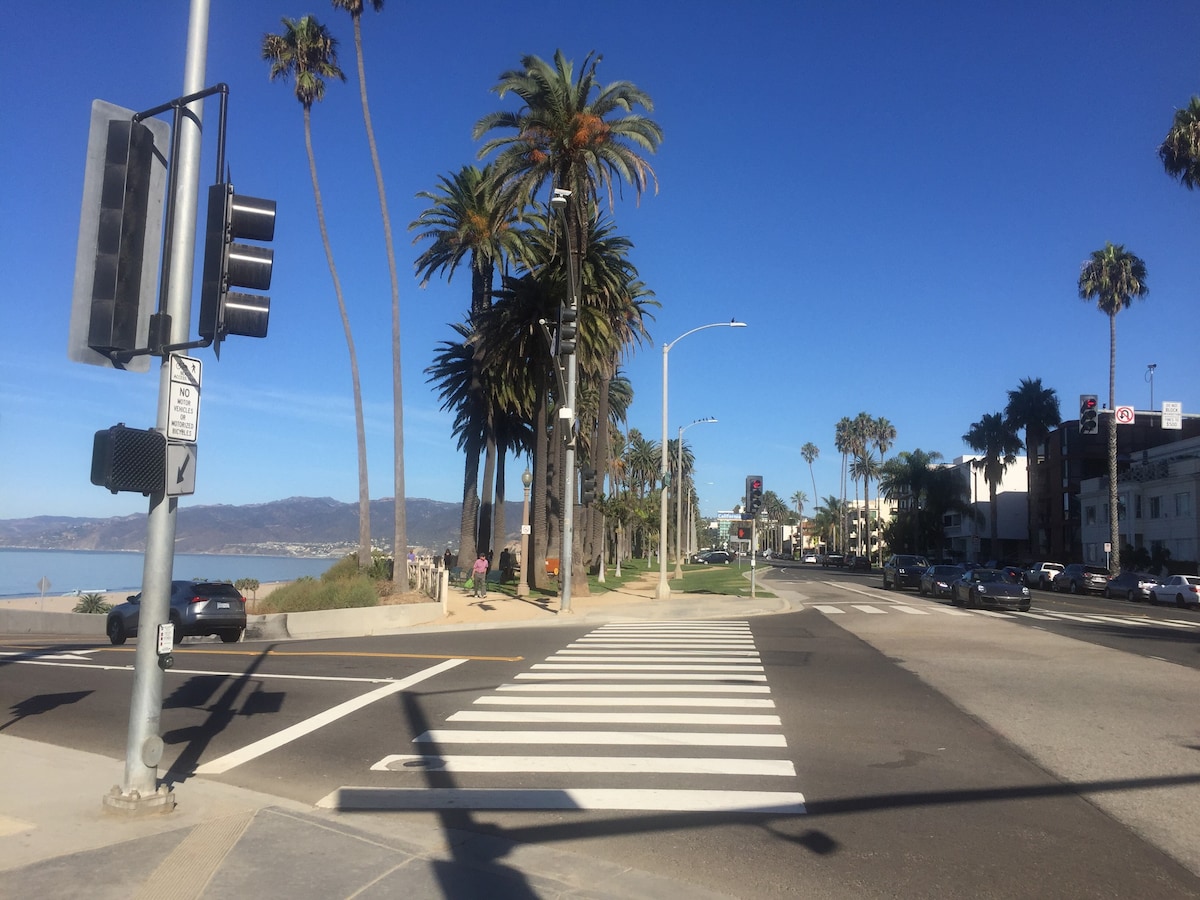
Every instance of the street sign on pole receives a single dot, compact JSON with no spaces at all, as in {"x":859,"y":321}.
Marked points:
{"x":1124,"y":415}
{"x":184,"y":411}
{"x":1172,"y":415}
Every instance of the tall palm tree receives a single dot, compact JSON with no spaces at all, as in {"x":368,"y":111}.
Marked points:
{"x":883,"y":435}
{"x":307,"y":53}
{"x":998,"y":442}
{"x":1112,"y":277}
{"x":1180,"y":150}
{"x":400,"y":532}
{"x":1034,"y":409}
{"x":810,"y":452}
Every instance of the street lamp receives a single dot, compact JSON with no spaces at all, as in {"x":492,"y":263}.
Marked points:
{"x":1150,"y":378}
{"x":523,"y":581}
{"x":679,"y":490}
{"x":663,"y":591}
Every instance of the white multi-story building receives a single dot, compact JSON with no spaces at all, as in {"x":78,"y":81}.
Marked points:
{"x":1157,"y":505}
{"x":969,"y":539}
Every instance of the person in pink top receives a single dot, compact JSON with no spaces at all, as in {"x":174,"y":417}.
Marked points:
{"x":479,"y":575}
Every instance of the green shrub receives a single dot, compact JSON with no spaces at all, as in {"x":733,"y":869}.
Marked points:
{"x":91,"y":603}
{"x":247,"y":585}
{"x":308,"y":594}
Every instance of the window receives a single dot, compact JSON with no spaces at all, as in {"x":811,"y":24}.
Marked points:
{"x":1154,"y":507}
{"x":1137,"y":506}
{"x":1090,"y":515}
{"x":1183,"y":504}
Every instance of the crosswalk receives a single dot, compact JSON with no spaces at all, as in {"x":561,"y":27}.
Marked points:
{"x":663,"y":716}
{"x":933,"y":608}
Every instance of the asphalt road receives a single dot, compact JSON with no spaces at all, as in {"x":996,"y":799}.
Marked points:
{"x":775,"y":756}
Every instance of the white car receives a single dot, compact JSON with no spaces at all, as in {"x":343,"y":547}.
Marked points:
{"x":1041,"y":574}
{"x":810,"y":558}
{"x":1183,"y":590}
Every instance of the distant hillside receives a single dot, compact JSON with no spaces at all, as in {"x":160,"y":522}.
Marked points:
{"x":297,"y":526}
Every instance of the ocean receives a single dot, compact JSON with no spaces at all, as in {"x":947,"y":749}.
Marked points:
{"x":79,"y":571}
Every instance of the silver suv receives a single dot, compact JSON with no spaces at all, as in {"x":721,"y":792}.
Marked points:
{"x":197,"y":608}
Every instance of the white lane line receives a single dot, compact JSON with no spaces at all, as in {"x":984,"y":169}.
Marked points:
{"x":993,"y":614}
{"x":615,"y":676}
{"x":1033,"y":615}
{"x":1125,"y":620}
{"x":688,"y":626}
{"x":366,"y":798}
{"x":616,"y":738}
{"x":1087,"y":620}
{"x":645,"y":667}
{"x":261,"y":676}
{"x":736,"y":702}
{"x":588,"y":764}
{"x":530,"y":717}
{"x":862,"y":607}
{"x":1183,"y":622}
{"x":44,"y":657}
{"x":911,"y":610}
{"x":300,"y":729}
{"x":830,"y":610}
{"x":664,"y":653}
{"x":950,"y":612}
{"x":651,"y":657}
{"x":664,"y":687}
{"x":667,"y":643}
{"x":1169,"y":623}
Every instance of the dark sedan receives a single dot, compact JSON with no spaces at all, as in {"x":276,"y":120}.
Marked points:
{"x":938,"y":580}
{"x":990,"y":588}
{"x":1132,"y":586}
{"x":903,"y":570}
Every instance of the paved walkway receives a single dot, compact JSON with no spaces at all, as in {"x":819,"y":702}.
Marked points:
{"x":58,"y":840}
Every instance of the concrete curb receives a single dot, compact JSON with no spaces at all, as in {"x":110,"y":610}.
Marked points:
{"x":29,"y":621}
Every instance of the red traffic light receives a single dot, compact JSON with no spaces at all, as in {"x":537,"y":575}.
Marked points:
{"x":1089,"y":403}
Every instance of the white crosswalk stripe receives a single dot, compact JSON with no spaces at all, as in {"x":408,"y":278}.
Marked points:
{"x":678,"y":689}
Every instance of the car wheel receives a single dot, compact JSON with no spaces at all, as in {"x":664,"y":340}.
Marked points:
{"x":1024,"y":607}
{"x":116,"y":631}
{"x":1180,"y":602}
{"x":1130,"y":597}
{"x":231,"y":637}
{"x":1074,"y":588}
{"x":921,"y":589}
{"x":954,"y":599}
{"x":885,"y":584}
{"x":178,"y":629}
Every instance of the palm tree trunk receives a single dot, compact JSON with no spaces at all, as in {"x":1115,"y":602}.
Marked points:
{"x":499,"y":528}
{"x":400,"y":531}
{"x":537,"y":578}
{"x":364,"y":496}
{"x":1114,"y":525}
{"x":484,"y":525}
{"x":470,"y":507}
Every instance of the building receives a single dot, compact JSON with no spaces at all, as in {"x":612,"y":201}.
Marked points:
{"x":968,"y":538}
{"x":1157,"y":509}
{"x":1065,"y":459}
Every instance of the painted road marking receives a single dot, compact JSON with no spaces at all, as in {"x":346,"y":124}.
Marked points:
{"x":615,"y":738}
{"x":662,"y":687}
{"x":659,"y":765}
{"x":612,"y":718}
{"x":366,"y":798}
{"x":738,"y":702}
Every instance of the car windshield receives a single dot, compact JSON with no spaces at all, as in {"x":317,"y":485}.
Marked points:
{"x":1192,"y":579}
{"x":946,"y":571}
{"x":912,"y":561}
{"x":214,"y":590}
{"x":1095,"y":570}
{"x":992,"y":575}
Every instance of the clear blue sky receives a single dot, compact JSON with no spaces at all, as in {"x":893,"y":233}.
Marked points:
{"x":896,"y":197}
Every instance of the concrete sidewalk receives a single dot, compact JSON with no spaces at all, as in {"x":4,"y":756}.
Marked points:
{"x":57,"y":839}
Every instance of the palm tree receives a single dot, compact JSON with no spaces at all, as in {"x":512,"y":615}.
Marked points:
{"x":307,"y":53}
{"x":1180,"y":150}
{"x":1113,"y":277}
{"x":810,"y":452}
{"x":998,"y":442}
{"x":883,"y":435}
{"x":400,"y":532}
{"x":1035,"y":409}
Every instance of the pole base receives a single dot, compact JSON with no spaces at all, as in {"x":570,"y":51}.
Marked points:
{"x":662,"y":591}
{"x":136,"y":803}
{"x":522,"y":590}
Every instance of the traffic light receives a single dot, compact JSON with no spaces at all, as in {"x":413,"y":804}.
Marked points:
{"x":754,"y":494}
{"x":568,"y":329}
{"x":130,"y":459}
{"x":120,"y":235}
{"x":743,"y":531}
{"x":1087,"y":414}
{"x":228,"y":264}
{"x":587,"y":491}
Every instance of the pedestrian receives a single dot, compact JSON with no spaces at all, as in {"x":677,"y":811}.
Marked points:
{"x":447,"y":560}
{"x":479,"y":575}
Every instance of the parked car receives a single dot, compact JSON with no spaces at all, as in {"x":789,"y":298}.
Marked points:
{"x":809,"y":558}
{"x":858,"y":562}
{"x":1078,"y":578}
{"x":903,"y":570}
{"x":1184,"y":590}
{"x":196,"y":608}
{"x":716,"y":558}
{"x":834,"y":559}
{"x":1041,"y":574}
{"x":990,"y":587}
{"x":1133,"y":586}
{"x":937,"y":580}
{"x":699,"y":555}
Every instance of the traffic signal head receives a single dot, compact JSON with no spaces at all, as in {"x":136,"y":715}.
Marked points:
{"x":1088,"y":412}
{"x":587,"y":491}
{"x":229,"y":264}
{"x":129,"y":459}
{"x":754,"y":494}
{"x":568,"y":329}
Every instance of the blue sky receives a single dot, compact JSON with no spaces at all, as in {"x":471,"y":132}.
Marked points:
{"x":896,"y":198}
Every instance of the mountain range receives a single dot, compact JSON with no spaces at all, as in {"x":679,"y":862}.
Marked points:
{"x":298,"y":526}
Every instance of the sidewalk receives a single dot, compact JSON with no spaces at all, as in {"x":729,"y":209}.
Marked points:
{"x":220,"y":841}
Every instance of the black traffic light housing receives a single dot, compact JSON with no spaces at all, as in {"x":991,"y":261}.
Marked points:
{"x":743,"y":531}
{"x":754,"y":494}
{"x":587,"y":489}
{"x":568,"y":329}
{"x":229,"y":264}
{"x":1088,"y":414}
{"x":130,"y":459}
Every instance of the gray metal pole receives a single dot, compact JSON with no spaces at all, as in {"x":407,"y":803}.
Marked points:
{"x":140,"y":791}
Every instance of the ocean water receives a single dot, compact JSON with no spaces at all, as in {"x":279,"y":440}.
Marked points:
{"x":79,"y":571}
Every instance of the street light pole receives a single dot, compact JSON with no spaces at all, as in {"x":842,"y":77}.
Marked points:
{"x":663,"y":591}
{"x":523,"y":581}
{"x":679,"y":490}
{"x":567,"y":417}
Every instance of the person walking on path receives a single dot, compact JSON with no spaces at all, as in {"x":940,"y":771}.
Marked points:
{"x":479,"y":575}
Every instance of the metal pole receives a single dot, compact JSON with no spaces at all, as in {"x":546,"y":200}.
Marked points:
{"x":523,"y":581}
{"x":663,"y":590}
{"x":144,"y":748}
{"x":679,"y":493}
{"x":566,"y":556}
